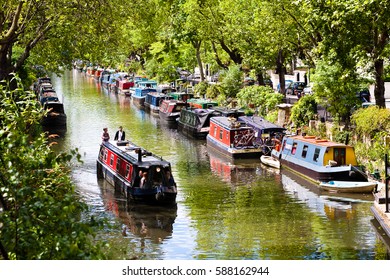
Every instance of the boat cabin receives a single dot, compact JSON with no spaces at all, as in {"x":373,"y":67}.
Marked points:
{"x":184,"y":96}
{"x":202,"y":103}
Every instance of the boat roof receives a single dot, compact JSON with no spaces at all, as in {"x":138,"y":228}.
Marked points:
{"x":202,"y":101}
{"x":226,"y":122}
{"x":316,"y":141}
{"x":130,"y":152}
{"x":260,"y":123}
{"x":226,"y":111}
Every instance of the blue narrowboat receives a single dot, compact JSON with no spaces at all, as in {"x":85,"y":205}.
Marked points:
{"x":153,"y":101}
{"x":319,"y":160}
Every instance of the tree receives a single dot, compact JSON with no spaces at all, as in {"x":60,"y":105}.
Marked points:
{"x":355,"y":34}
{"x":336,"y":88}
{"x":41,"y":217}
{"x":45,"y":31}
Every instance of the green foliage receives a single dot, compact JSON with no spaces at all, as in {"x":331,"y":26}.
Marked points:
{"x":262,"y":97}
{"x":336,"y":87}
{"x":213,"y":91}
{"x":304,"y":111}
{"x":200,"y":89}
{"x":41,"y":217}
{"x":371,"y":121}
{"x":232,"y":81}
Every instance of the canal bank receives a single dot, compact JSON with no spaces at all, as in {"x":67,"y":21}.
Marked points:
{"x":381,"y":211}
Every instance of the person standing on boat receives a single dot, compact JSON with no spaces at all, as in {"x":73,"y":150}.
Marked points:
{"x":105,"y":136}
{"x":144,"y":180}
{"x":120,"y":135}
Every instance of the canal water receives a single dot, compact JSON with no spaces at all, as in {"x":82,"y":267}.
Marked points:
{"x":225,"y":210}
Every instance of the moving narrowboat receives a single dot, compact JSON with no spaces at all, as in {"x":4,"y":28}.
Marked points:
{"x":319,"y":160}
{"x":233,"y":138}
{"x":195,"y":122}
{"x":138,"y":174}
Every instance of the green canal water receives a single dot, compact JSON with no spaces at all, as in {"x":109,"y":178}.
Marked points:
{"x":225,"y":210}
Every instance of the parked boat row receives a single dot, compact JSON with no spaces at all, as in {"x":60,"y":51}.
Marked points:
{"x":48,"y":98}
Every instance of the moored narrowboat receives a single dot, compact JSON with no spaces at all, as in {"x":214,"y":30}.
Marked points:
{"x":138,"y":174}
{"x":183,"y":96}
{"x":319,"y":160}
{"x":202,"y":103}
{"x":124,"y":85}
{"x":153,"y":101}
{"x":195,"y":122}
{"x":233,"y":138}
{"x":47,"y":96}
{"x":268,"y":134}
{"x":169,"y":111}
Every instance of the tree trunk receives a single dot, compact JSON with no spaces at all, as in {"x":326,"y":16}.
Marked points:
{"x":217,"y":59}
{"x":197,"y":45}
{"x":379,"y":91}
{"x":281,"y":71}
{"x":5,"y":63}
{"x":260,"y":79}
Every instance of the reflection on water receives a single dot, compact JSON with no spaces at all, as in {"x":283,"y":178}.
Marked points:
{"x":225,"y":209}
{"x":330,"y":205}
{"x":145,"y":221}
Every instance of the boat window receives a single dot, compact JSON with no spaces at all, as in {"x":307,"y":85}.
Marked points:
{"x":316,"y":154}
{"x":304,"y":151}
{"x":105,"y":155}
{"x":112,"y":160}
{"x":118,"y":164}
{"x":127,"y":170}
{"x":215,"y":131}
{"x":294,"y":148}
{"x":102,"y":153}
{"x":221,"y":134}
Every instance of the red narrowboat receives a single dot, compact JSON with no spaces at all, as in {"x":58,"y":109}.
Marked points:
{"x":169,"y":110}
{"x":138,"y":174}
{"x":233,"y":138}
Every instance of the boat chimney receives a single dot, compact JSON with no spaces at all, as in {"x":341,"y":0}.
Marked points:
{"x":139,"y":152}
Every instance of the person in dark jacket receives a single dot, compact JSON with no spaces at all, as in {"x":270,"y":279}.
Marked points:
{"x":120,"y":135}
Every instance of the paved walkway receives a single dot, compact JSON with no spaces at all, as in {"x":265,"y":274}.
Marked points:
{"x":379,"y":210}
